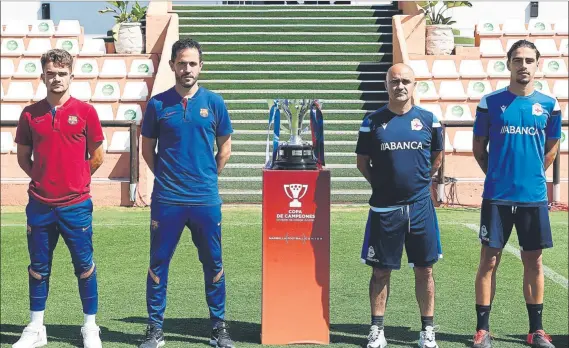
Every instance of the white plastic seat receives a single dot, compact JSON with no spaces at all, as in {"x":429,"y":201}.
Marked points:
{"x":564,"y":47}
{"x":129,"y":112}
{"x":80,"y":90}
{"x":42,"y":27}
{"x":16,"y":28}
{"x":104,"y":111}
{"x":564,"y":146}
{"x":561,"y":89}
{"x":472,"y":69}
{"x":458,"y":112}
{"x":29,"y":68}
{"x":135,"y":91}
{"x":1,"y":92}
{"x":491,"y":48}
{"x":10,"y":112}
{"x":19,"y":91}
{"x":448,"y":145}
{"x":444,"y":69}
{"x":93,"y":47}
{"x":502,"y":84}
{"x":420,"y":68}
{"x":86,"y":67}
{"x":546,"y":47}
{"x":105,"y":142}
{"x":70,"y":45}
{"x":141,"y":68}
{"x":497,"y":68}
{"x":426,"y":90}
{"x":68,"y":27}
{"x":485,"y":28}
{"x":554,"y":67}
{"x":514,"y":26}
{"x":510,"y":43}
{"x":106,"y":91}
{"x":542,"y":86}
{"x":540,"y":27}
{"x":463,"y":141}
{"x":561,"y":27}
{"x":477,"y":89}
{"x":37,"y":47}
{"x":12,"y":47}
{"x":565,"y":114}
{"x":6,"y":142}
{"x":452,"y":90}
{"x":41,"y":92}
{"x":113,"y":68}
{"x":120,"y":142}
{"x":434,"y":108}
{"x":6,"y":67}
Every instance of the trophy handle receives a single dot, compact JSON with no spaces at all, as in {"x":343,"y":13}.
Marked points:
{"x":305,"y":189}
{"x":286,"y":191}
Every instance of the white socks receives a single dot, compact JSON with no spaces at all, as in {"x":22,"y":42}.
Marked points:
{"x":89,"y":320}
{"x":36,"y":318}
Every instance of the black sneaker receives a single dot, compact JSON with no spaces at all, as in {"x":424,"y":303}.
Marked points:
{"x":482,"y":339}
{"x":539,"y":339}
{"x":220,"y":336}
{"x":153,"y":337}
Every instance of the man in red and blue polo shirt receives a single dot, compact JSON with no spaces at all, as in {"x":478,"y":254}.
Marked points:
{"x":65,"y":137}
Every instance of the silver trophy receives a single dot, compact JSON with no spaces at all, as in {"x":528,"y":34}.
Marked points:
{"x":295,"y":154}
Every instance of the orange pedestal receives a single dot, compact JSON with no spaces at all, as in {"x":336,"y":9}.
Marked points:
{"x":296,"y":257}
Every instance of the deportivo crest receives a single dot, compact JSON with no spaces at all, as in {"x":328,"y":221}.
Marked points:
{"x":483,"y":231}
{"x":204,"y":113}
{"x":72,"y":120}
{"x":370,"y":252}
{"x":537,"y":109}
{"x":416,"y":124}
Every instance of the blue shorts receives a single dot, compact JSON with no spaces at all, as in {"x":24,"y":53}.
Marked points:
{"x":532,"y":225}
{"x":414,"y":225}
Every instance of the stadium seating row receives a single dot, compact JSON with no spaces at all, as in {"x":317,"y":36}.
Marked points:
{"x":83,"y":67}
{"x":546,"y":47}
{"x":125,"y":112}
{"x":42,"y":27}
{"x":104,"y":91}
{"x":120,"y":142}
{"x":462,"y":112}
{"x":13,"y":47}
{"x":454,"y":90}
{"x":517,"y":26}
{"x":474,"y":68}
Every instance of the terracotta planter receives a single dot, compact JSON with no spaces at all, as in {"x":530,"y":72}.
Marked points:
{"x":440,"y":40}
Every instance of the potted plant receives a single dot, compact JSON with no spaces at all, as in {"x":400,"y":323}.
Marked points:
{"x":440,"y":37}
{"x":127,"y":31}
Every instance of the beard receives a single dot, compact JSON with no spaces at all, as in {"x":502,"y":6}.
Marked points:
{"x":180,"y":80}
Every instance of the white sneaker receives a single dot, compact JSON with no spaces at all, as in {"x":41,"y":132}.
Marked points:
{"x":427,"y":337}
{"x":91,"y":336}
{"x":33,"y":336}
{"x":376,"y":338}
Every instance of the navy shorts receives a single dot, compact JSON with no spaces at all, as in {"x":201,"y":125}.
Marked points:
{"x":532,"y":225}
{"x":414,"y":225}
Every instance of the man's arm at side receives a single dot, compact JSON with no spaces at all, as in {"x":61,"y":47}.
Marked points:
{"x":551,"y":147}
{"x":96,"y":157}
{"x":223,"y":151}
{"x":436,"y":160}
{"x":25,"y":158}
{"x":479,"y":144}
{"x":364,"y":166}
{"x":149,"y":151}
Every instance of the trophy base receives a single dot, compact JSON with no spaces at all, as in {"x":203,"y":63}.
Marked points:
{"x":295,"y":157}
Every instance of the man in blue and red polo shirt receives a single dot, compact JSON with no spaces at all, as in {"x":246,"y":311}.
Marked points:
{"x":65,"y":137}
{"x":187,"y":121}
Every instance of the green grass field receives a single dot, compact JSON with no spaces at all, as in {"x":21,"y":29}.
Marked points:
{"x":121,"y":252}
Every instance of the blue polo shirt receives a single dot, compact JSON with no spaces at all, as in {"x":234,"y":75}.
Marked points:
{"x":400,"y":148}
{"x":517,"y":127}
{"x":185,"y":168}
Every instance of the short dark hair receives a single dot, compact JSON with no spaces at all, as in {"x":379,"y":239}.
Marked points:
{"x":523,"y":43}
{"x":58,"y":57}
{"x":182,"y":44}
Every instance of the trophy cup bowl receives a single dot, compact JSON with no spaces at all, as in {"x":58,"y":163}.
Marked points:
{"x":295,"y":154}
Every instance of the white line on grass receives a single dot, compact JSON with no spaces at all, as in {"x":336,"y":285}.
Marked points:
{"x":548,"y":272}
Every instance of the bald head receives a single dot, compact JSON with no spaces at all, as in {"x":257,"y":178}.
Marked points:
{"x":400,"y":83}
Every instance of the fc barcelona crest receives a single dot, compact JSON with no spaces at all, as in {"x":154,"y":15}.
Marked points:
{"x":204,"y":113}
{"x":72,"y":120}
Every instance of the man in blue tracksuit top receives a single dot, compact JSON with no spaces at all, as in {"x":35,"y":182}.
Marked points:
{"x":186,"y":121}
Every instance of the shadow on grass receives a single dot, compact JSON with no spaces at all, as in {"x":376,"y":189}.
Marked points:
{"x":559,"y":341}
